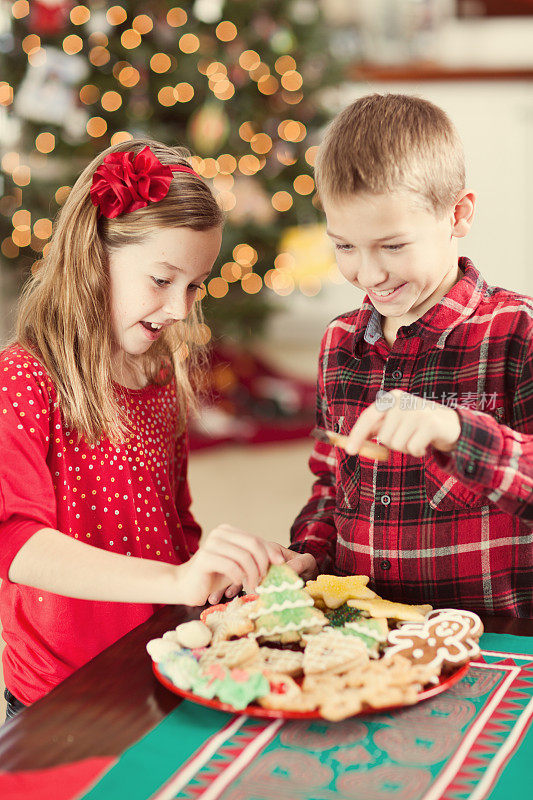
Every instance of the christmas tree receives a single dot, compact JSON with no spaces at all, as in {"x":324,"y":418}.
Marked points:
{"x":237,"y":82}
{"x":284,"y":610}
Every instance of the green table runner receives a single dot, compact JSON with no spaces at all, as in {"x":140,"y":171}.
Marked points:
{"x":472,"y":741}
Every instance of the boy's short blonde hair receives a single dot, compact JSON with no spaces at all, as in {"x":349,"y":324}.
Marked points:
{"x":392,"y":142}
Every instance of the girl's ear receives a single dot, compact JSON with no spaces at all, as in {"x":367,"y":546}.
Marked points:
{"x":463,"y":213}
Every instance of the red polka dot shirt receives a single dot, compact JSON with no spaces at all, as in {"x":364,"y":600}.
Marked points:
{"x":131,"y":499}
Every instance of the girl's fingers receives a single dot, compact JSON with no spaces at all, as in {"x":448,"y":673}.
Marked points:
{"x":242,"y":559}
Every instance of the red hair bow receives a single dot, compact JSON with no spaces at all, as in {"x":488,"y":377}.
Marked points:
{"x":125,"y":182}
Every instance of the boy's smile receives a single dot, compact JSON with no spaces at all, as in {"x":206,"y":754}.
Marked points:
{"x":398,"y":252}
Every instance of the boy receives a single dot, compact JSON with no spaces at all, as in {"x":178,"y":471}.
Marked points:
{"x":436,"y":365}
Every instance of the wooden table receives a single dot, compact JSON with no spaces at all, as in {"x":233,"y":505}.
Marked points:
{"x":112,"y":701}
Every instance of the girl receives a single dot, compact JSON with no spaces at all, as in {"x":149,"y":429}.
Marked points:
{"x":94,"y":502}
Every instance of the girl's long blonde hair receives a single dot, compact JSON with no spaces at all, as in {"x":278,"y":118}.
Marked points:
{"x":64,"y":314}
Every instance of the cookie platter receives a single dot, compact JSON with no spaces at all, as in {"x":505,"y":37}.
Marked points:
{"x":329,"y":650}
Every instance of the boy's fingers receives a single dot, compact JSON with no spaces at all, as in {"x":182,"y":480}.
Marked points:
{"x":367,"y":426}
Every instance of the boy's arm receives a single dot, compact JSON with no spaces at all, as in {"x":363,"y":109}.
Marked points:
{"x":494,"y":459}
{"x":313,"y":530}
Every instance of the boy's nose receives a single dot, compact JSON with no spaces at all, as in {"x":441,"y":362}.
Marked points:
{"x":370,"y":273}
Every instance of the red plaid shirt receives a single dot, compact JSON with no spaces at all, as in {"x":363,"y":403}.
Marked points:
{"x":450,"y":529}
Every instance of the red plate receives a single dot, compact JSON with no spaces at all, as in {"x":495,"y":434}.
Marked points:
{"x":258,"y":711}
{"x":446,"y":682}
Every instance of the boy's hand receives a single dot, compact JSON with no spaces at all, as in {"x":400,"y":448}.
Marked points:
{"x":406,"y":423}
{"x":228,"y":557}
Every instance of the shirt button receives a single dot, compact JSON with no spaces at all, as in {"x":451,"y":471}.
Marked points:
{"x":385,"y":499}
{"x":397,"y":374}
{"x":385,"y":564}
{"x":471,"y":467}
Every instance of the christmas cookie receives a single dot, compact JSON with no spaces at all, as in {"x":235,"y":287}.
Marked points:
{"x":334,"y":591}
{"x":233,"y":653}
{"x":232,"y":626}
{"x":193,"y":634}
{"x":386,"y":609}
{"x":330,"y":650}
{"x":161,"y":649}
{"x":288,"y":662}
{"x":284,"y":610}
{"x":442,"y":641}
{"x":286,"y":695}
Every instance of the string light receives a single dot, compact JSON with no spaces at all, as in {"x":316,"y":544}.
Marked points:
{"x":160,"y":62}
{"x":79,"y":15}
{"x":268,"y":84}
{"x":246,"y":131}
{"x":231,"y":271}
{"x":249,"y":165}
{"x":189,"y":43}
{"x":31,"y":42}
{"x":130,"y":39}
{"x":43,"y":228}
{"x":282,"y":201}
{"x":310,"y":155}
{"x":121,"y":136}
{"x":111,"y":101}
{"x":10,"y":161}
{"x":142,"y":24}
{"x":129,"y":76}
{"x":167,"y":96}
{"x":6,"y":93}
{"x":72,"y":44}
{"x":89,"y":94}
{"x":291,"y":130}
{"x":21,"y":175}
{"x":116,"y":15}
{"x":284,"y":64}
{"x":226,"y":31}
{"x":245,"y":254}
{"x":252,"y":283}
{"x":96,"y":127}
{"x":217,"y":287}
{"x":176,"y":17}
{"x":249,"y":60}
{"x":291,"y":80}
{"x":261,"y":71}
{"x":184,"y":92}
{"x":45,"y":142}
{"x":210,"y":168}
{"x":261,"y":143}
{"x":227,"y":163}
{"x":21,"y":219}
{"x":9,"y":248}
{"x":20,"y":9}
{"x":99,"y":56}
{"x":61,"y":194}
{"x":304,"y":184}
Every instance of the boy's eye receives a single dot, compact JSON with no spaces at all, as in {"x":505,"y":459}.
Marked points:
{"x":160,"y":282}
{"x":393,"y":248}
{"x":343,"y":247}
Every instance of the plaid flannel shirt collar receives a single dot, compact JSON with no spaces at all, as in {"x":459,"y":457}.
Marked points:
{"x":438,"y":322}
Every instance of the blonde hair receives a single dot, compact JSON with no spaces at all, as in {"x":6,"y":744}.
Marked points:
{"x":64,"y":315}
{"x":391,"y":142}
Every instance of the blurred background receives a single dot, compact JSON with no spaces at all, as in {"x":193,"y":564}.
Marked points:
{"x":248,"y":87}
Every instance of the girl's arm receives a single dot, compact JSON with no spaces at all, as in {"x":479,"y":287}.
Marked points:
{"x":54,"y":562}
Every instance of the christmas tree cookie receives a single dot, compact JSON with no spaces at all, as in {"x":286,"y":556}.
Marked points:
{"x":352,"y":622}
{"x":284,"y":610}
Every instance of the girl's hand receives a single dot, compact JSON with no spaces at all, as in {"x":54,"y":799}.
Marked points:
{"x":406,"y":423}
{"x":228,"y":557}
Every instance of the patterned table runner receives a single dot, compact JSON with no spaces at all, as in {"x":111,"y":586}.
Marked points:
{"x":470,"y":742}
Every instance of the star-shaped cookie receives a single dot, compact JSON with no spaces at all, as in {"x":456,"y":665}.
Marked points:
{"x":335,"y":591}
{"x":386,"y":609}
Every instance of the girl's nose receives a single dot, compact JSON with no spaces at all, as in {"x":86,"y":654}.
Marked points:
{"x":177,"y":305}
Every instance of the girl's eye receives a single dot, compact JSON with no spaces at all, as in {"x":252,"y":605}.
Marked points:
{"x":160,"y":282}
{"x":393,"y":248}
{"x":193,"y":287}
{"x":343,"y":247}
